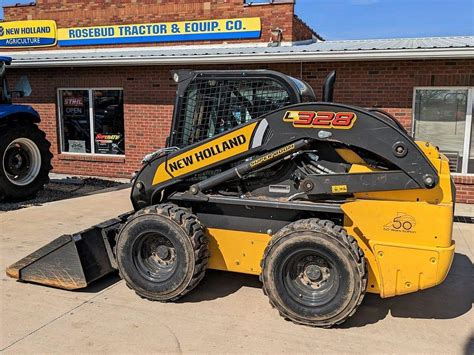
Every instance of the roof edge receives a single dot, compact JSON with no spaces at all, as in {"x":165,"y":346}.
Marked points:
{"x":359,"y":55}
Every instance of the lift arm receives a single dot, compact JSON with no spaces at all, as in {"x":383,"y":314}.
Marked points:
{"x":312,"y":123}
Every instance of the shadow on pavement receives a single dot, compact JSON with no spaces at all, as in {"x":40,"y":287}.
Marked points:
{"x":469,"y":348}
{"x":60,"y":189}
{"x":451,"y":299}
{"x":101,"y":284}
{"x":218,"y":284}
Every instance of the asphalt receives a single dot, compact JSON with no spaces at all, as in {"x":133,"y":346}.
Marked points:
{"x":227,"y":313}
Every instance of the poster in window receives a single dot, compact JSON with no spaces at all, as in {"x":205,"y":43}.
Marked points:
{"x":76,"y":146}
{"x":108,"y":143}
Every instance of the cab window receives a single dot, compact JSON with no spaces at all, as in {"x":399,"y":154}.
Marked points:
{"x":213,"y":106}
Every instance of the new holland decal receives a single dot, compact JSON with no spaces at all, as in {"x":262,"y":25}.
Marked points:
{"x":214,"y":151}
{"x":320,"y":119}
{"x":206,"y":153}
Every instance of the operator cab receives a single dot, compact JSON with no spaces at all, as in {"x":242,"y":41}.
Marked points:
{"x":212,"y":102}
{"x":4,"y":96}
{"x":22,"y":88}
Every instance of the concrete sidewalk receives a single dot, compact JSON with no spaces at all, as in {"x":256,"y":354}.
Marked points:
{"x":227,"y":313}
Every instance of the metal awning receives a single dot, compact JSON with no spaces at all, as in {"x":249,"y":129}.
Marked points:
{"x":322,"y":51}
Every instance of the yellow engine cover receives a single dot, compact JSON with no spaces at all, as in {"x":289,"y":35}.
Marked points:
{"x":407,"y":244}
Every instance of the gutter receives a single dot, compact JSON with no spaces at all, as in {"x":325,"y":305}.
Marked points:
{"x":241,"y":58}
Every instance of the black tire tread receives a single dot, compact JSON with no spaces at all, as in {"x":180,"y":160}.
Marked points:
{"x":338,"y":233}
{"x":44,"y":146}
{"x":190,"y":224}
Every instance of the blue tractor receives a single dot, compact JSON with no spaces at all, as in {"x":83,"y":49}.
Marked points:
{"x":25,"y":159}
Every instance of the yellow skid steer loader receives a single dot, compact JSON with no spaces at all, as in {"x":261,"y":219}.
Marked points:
{"x":323,"y":201}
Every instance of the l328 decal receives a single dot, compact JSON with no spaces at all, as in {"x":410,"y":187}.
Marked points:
{"x":320,"y":119}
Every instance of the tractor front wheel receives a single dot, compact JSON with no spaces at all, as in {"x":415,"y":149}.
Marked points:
{"x":25,"y":160}
{"x":314,"y":273}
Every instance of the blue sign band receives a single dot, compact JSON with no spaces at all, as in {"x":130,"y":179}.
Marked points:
{"x":155,"y":39}
{"x":26,"y":42}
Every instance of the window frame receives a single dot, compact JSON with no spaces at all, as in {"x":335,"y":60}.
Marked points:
{"x":91,"y":120}
{"x":467,"y":130}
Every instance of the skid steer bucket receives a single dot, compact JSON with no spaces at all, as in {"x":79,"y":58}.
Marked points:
{"x":71,"y":261}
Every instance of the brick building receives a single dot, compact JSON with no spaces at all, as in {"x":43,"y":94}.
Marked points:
{"x":105,"y":94}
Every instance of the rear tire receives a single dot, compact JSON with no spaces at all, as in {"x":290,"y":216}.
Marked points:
{"x":25,"y":161}
{"x":314,"y":273}
{"x":162,"y":252}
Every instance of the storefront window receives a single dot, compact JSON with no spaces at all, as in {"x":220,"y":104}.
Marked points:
{"x":92,"y":121}
{"x":108,"y":122}
{"x":470,"y":164}
{"x":443,"y":116}
{"x":75,"y":121}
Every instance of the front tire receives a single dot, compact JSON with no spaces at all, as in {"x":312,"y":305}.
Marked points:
{"x":162,"y":252}
{"x":314,"y":273}
{"x":25,"y":161}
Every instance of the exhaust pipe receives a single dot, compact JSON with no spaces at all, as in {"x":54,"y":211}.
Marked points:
{"x":328,"y":86}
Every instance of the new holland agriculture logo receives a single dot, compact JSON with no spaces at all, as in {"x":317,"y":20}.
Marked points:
{"x":18,"y":34}
{"x":402,"y":222}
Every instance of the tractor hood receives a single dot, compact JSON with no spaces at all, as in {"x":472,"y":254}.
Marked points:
{"x":11,"y":109}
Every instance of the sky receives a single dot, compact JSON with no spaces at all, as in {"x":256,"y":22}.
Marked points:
{"x":365,"y":19}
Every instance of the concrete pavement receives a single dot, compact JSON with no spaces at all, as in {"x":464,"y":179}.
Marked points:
{"x":227,"y":313}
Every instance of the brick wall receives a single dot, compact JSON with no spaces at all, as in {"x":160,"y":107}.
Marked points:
{"x":149,"y":98}
{"x":65,"y":13}
{"x":464,"y":189}
{"x":301,"y":30}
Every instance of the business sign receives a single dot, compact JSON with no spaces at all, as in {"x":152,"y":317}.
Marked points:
{"x":73,"y":105}
{"x":37,"y":33}
{"x":240,"y":28}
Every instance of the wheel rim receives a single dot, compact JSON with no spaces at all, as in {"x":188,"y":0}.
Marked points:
{"x":21,"y":161}
{"x":154,"y":256}
{"x":310,"y":278}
